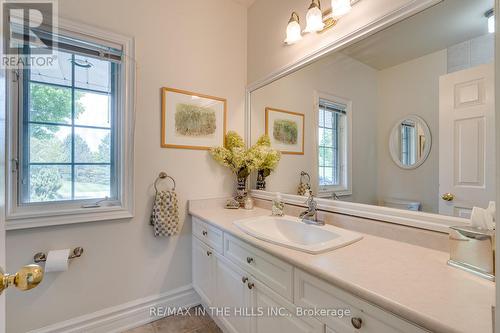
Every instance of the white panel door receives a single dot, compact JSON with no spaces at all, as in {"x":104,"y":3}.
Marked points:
{"x":466,"y":140}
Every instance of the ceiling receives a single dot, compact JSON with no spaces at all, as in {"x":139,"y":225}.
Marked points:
{"x":447,"y":23}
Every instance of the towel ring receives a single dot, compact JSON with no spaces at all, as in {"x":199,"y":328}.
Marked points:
{"x":161,"y":176}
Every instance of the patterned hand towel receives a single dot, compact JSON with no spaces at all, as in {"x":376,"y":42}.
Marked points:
{"x":165,"y":215}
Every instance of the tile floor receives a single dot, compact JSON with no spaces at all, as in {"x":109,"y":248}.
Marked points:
{"x":180,"y":324}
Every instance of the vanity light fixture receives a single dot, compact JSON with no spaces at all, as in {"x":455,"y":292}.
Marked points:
{"x":490,"y":15}
{"x":340,"y":8}
{"x":314,"y":17}
{"x":317,"y":20}
{"x":293,"y":31}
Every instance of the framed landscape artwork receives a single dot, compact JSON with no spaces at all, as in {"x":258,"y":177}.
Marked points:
{"x":286,"y":131}
{"x":191,"y":120}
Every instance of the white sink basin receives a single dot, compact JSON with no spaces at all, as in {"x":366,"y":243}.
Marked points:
{"x":290,"y":232}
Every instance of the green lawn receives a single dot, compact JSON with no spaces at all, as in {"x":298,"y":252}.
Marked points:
{"x":87,"y":190}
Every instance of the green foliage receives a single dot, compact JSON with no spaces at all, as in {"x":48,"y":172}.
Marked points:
{"x":51,"y":104}
{"x":104,"y":150}
{"x":285,"y":131}
{"x":193,"y":120}
{"x":45,"y":184}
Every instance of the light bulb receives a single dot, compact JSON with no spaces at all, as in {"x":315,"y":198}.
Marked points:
{"x":340,"y":8}
{"x":314,"y":19}
{"x":293,"y":31}
{"x":491,"y":24}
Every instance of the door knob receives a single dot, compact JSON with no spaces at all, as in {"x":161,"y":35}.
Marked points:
{"x":27,"y":278}
{"x":448,"y":197}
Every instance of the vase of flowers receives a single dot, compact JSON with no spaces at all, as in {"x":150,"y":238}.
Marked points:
{"x":264,"y":159}
{"x":236,"y":157}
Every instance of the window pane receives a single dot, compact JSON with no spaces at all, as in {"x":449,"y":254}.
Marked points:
{"x":92,"y":181}
{"x":327,"y":137}
{"x":92,"y":145}
{"x":322,"y":176}
{"x":49,"y":183}
{"x":321,"y":117}
{"x":321,"y":159}
{"x":328,"y":119}
{"x":49,"y":104}
{"x":92,"y":109}
{"x":59,"y":74}
{"x":93,"y":74}
{"x":329,"y":157}
{"x":329,"y":176}
{"x":49,"y":144}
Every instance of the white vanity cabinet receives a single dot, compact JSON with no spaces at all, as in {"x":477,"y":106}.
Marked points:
{"x":203,"y":271}
{"x":278,"y":315}
{"x":260,"y":293}
{"x":232,"y":294}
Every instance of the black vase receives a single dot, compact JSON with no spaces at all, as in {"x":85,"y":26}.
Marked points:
{"x":261,"y":180}
{"x":241,"y":190}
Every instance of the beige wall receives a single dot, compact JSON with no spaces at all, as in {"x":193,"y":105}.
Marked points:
{"x":197,"y":45}
{"x":410,"y":88}
{"x":337,"y":75}
{"x":267,"y":20}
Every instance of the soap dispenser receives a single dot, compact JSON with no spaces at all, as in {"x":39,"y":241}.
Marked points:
{"x":278,"y":206}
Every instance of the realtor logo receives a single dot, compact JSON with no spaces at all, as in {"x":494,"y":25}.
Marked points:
{"x":28,"y":31}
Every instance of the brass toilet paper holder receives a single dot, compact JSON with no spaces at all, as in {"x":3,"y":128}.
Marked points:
{"x":42,"y":257}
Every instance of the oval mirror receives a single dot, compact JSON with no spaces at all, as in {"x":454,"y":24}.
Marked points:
{"x":410,"y":142}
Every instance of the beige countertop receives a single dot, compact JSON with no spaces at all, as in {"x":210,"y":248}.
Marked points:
{"x":410,"y":281}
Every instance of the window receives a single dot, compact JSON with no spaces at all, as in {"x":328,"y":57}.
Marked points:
{"x":333,"y":146}
{"x":408,"y":143}
{"x":67,"y":130}
{"x":70,"y":132}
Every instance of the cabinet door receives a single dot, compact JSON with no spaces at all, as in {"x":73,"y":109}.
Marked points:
{"x":276,"y":314}
{"x":232,"y":296}
{"x":203,"y":271}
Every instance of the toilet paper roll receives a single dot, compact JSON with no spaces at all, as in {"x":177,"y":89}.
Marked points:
{"x":57,"y":261}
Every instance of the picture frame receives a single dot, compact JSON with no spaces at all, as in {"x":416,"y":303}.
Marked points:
{"x":192,"y":120}
{"x":286,"y":130}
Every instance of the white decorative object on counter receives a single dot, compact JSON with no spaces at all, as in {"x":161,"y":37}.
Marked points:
{"x":278,"y":206}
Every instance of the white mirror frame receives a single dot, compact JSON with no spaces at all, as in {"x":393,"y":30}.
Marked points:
{"x":393,"y":138}
{"x":422,"y":220}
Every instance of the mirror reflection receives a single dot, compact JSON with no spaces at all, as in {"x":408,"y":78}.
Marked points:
{"x":401,"y":119}
{"x":410,"y":142}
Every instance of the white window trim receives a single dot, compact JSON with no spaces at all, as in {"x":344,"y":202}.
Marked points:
{"x":345,"y":188}
{"x":23,"y":218}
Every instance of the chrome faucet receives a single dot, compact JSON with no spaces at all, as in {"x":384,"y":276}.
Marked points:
{"x":310,"y":216}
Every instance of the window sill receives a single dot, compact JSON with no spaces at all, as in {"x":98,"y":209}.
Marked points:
{"x":66,"y":217}
{"x":329,"y":193}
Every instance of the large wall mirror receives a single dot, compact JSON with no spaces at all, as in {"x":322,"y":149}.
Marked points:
{"x":399,"y":119}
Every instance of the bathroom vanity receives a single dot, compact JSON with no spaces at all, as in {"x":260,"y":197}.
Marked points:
{"x":387,"y":286}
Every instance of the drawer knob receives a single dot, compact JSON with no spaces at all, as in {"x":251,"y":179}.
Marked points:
{"x":204,"y":233}
{"x":209,"y":253}
{"x":250,"y":260}
{"x":356,"y":322}
{"x":244,"y":279}
{"x":251,"y":285}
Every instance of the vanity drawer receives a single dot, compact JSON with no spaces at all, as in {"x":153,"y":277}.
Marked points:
{"x":275,"y":273}
{"x":208,"y":234}
{"x":311,"y":292}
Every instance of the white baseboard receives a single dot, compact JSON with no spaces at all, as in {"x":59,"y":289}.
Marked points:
{"x":125,"y":316}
